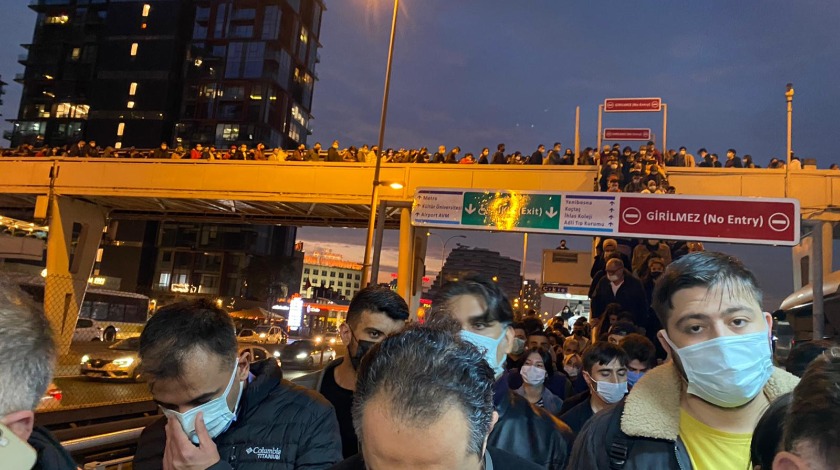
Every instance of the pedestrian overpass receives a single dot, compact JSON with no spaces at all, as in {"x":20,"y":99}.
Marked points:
{"x":77,"y":197}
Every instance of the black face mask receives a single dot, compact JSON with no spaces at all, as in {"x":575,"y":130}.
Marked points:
{"x":362,"y":348}
{"x":578,"y":332}
{"x":655,"y":274}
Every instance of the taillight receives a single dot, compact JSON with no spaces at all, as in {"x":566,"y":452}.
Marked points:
{"x":55,"y":393}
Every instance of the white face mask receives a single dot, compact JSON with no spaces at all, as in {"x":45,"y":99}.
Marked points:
{"x":532,"y":375}
{"x":612,"y":277}
{"x":572,"y":371}
{"x":727,"y":371}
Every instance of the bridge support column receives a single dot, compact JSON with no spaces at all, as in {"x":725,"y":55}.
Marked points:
{"x":411,"y":267}
{"x":75,"y":232}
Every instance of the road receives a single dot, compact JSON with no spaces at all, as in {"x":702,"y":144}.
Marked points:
{"x":81,"y":392}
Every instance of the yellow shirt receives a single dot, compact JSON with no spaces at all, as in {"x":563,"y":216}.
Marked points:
{"x":713,"y":449}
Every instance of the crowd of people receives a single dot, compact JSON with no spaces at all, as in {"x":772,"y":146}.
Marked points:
{"x":473,"y":389}
{"x":621,"y":163}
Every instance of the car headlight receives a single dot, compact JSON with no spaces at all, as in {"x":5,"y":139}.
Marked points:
{"x":301,"y":355}
{"x":262,"y":335}
{"x":332,"y":340}
{"x":85,"y":358}
{"x":276,"y":353}
{"x":124,"y":362}
{"x":318,"y":339}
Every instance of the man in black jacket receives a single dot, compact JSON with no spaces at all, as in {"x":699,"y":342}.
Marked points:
{"x":536,"y":158}
{"x":221,"y":411}
{"x":620,"y":286}
{"x":499,"y":156}
{"x":424,"y":400}
{"x":485,"y":316}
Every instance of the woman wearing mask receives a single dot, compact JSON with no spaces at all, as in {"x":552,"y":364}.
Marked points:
{"x":535,"y":370}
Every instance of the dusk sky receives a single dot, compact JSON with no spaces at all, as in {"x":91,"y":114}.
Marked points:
{"x":475,"y":73}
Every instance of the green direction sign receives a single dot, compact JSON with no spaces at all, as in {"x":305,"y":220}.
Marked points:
{"x":510,"y":210}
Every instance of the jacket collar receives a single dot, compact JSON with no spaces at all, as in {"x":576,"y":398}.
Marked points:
{"x":652,"y":409}
{"x":267,"y":376}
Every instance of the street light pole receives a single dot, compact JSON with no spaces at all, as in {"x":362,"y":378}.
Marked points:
{"x":374,"y":198}
{"x":443,"y":253}
{"x":789,"y":98}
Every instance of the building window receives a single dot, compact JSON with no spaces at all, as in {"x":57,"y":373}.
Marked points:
{"x":232,"y":92}
{"x":60,"y":19}
{"x":118,"y":145}
{"x":323,"y":273}
{"x":347,"y":292}
{"x":341,"y":275}
{"x":241,"y":31}
{"x":271,"y":23}
{"x":227,"y":132}
{"x":70,"y":110}
{"x":332,"y":273}
{"x":356,"y":285}
{"x":164,"y":280}
{"x":340,"y":283}
{"x":130,"y":105}
{"x":76,"y":53}
{"x":305,"y":270}
{"x":146,"y":9}
{"x":134,"y":47}
{"x":358,"y":277}
{"x":120,"y":129}
{"x":132,"y":89}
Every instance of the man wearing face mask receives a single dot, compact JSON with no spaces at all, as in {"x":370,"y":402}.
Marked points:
{"x":641,"y":356}
{"x":485,"y":316}
{"x":222,"y":411}
{"x":515,"y":357}
{"x":698,"y":411}
{"x":605,"y":372}
{"x":609,"y":247}
{"x":622,"y":287}
{"x":644,"y":251}
{"x":373,"y":314}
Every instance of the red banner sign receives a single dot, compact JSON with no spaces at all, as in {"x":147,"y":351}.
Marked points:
{"x":626,"y":134}
{"x":710,"y":218}
{"x":632,"y":105}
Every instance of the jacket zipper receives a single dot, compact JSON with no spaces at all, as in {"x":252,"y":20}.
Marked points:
{"x":232,"y":458}
{"x":677,"y":455}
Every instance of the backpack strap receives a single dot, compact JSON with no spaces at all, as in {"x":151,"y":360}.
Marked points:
{"x":618,"y":443}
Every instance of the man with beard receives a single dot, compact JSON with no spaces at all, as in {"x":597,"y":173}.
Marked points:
{"x":373,"y":314}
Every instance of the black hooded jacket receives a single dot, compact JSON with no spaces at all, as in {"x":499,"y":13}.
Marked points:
{"x":279,"y":426}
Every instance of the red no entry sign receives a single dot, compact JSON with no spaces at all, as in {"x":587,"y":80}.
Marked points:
{"x":767,"y":221}
{"x":626,"y":134}
{"x":632,"y":105}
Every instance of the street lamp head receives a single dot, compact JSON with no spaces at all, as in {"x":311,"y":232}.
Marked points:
{"x":789,"y":91}
{"x":396,"y":185}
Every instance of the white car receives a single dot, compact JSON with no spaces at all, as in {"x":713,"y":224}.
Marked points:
{"x":86,"y":330}
{"x":270,"y":334}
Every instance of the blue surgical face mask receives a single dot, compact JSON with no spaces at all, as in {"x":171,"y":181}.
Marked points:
{"x":633,"y":377}
{"x":610,"y":392}
{"x":489,"y":346}
{"x":217,"y":415}
{"x":728,"y":371}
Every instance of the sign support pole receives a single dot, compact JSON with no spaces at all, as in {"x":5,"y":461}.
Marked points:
{"x":577,"y":136}
{"x":664,"y":128}
{"x":600,"y":129}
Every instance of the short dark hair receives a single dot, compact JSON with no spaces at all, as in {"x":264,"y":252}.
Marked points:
{"x":702,"y":269}
{"x":815,"y":409}
{"x":803,"y":354}
{"x":602,"y":353}
{"x":377,"y":299}
{"x":422,"y":372}
{"x":621,"y":328}
{"x":539,"y":332}
{"x":639,"y":348}
{"x":518,"y":326}
{"x":769,"y":432}
{"x":481,"y":287}
{"x":531,"y":324}
{"x":500,"y":146}
{"x":177,"y":330}
{"x":557,"y":143}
